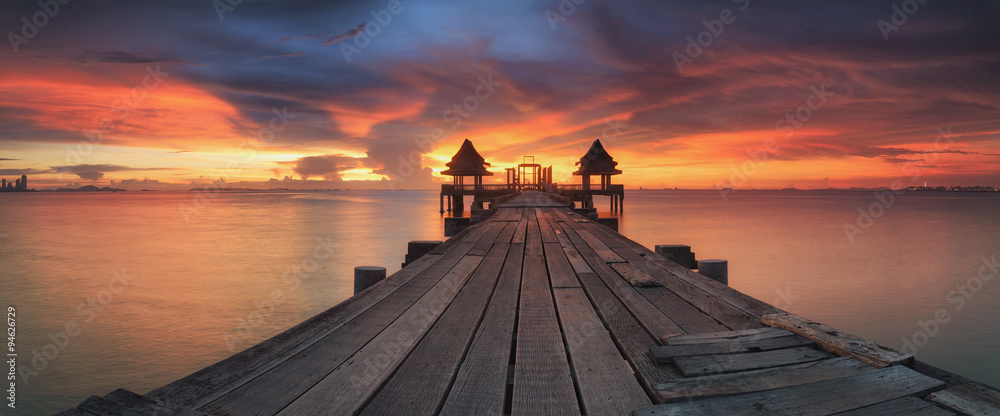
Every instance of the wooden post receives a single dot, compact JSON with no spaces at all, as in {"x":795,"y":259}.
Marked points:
{"x":418,"y":248}
{"x":366,"y":276}
{"x":715,"y":269}
{"x":677,"y":253}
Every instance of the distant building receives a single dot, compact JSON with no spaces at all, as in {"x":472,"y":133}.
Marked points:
{"x":17,"y":185}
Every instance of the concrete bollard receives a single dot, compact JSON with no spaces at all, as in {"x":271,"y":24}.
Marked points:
{"x":592,"y":216}
{"x":417,"y":248}
{"x":455,"y":225}
{"x":677,"y":253}
{"x":366,"y":276}
{"x":715,"y":269}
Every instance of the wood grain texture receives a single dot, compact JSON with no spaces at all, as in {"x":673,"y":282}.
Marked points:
{"x":666,"y":354}
{"x":434,"y":361}
{"x":703,"y":365}
{"x":543,"y":383}
{"x":838,"y":342}
{"x":759,"y":380}
{"x":561,"y":273}
{"x":348,"y":387}
{"x":903,"y":406}
{"x":481,"y":381}
{"x":743,"y":334}
{"x":655,"y":322}
{"x":302,"y":370}
{"x":634,"y":276}
{"x":605,"y":380}
{"x":212,"y":382}
{"x":969,"y":399}
{"x":813,"y":399}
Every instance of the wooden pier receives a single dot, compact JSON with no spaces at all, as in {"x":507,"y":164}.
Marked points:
{"x":538,"y":311}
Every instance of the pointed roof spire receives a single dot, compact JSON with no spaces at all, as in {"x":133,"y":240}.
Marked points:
{"x":467,"y":162}
{"x":597,"y":161}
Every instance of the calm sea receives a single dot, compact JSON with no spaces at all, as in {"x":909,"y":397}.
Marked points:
{"x":137,"y":289}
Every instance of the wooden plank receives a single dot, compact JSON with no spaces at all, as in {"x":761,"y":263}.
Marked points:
{"x":820,"y":398}
{"x":732,"y":296}
{"x":634,"y":276}
{"x":630,"y":336}
{"x":903,"y":406}
{"x":838,"y":342}
{"x":703,"y":365}
{"x":346,"y":389}
{"x":561,"y":273}
{"x":522,"y":225}
{"x":575,"y":260}
{"x":102,"y":406}
{"x":544,"y":213}
{"x":948,"y":377}
{"x":757,"y":333}
{"x":599,"y":247}
{"x":969,"y":399}
{"x":605,"y":380}
{"x":142,"y":404}
{"x":481,"y":382}
{"x":483,"y":246}
{"x":548,"y":235}
{"x":472,"y":233}
{"x":759,"y":380}
{"x":651,"y":318}
{"x":667,"y":354}
{"x":223,"y":377}
{"x":710,"y":304}
{"x":302,"y":369}
{"x":542,"y":379}
{"x":434,"y":361}
{"x":73,"y":412}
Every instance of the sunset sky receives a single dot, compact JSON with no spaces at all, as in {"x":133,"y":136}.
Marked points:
{"x":174,"y":94}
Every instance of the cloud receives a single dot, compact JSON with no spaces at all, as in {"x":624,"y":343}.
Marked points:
{"x":95,"y":172}
{"x":350,"y":34}
{"x":121,"y":57}
{"x":19,"y":172}
{"x":327,"y":166}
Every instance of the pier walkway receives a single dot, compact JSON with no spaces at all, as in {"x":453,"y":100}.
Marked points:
{"x":540,"y":311}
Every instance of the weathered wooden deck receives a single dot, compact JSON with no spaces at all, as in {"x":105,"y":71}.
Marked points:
{"x":540,"y":311}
